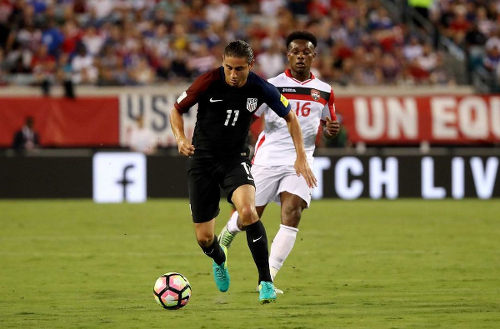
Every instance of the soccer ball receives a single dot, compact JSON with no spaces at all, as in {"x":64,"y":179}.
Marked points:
{"x":172,"y":290}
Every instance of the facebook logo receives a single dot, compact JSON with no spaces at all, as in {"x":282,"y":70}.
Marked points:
{"x":119,"y":177}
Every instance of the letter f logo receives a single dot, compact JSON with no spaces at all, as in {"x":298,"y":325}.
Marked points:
{"x":124,"y":181}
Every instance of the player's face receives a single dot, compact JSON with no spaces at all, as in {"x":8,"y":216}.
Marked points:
{"x":236,"y":70}
{"x":300,"y":55}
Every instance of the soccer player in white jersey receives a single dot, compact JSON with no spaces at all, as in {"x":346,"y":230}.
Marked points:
{"x":272,"y":165}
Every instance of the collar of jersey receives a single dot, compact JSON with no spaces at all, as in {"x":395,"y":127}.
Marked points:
{"x":288,"y":73}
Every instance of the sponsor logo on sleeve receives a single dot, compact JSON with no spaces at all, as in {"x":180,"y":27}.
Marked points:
{"x":284,"y":100}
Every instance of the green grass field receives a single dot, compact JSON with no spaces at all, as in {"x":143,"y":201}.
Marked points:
{"x":358,"y":264}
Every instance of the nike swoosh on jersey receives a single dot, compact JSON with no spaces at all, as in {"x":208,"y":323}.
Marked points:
{"x":215,"y":100}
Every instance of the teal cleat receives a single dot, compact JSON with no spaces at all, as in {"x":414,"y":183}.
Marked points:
{"x":267,"y":293}
{"x":226,"y":237}
{"x":276,"y":290}
{"x":221,"y":274}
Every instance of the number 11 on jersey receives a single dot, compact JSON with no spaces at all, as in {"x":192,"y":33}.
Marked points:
{"x":235,"y":118}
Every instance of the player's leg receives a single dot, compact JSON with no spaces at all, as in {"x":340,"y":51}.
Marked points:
{"x":208,"y":242}
{"x":204,"y":197}
{"x":295,"y":196}
{"x":244,"y":199}
{"x":234,"y":226}
{"x":211,"y":247}
{"x":266,"y":185}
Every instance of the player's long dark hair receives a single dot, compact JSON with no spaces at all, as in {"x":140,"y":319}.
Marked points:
{"x":301,"y":35}
{"x":239,"y":48}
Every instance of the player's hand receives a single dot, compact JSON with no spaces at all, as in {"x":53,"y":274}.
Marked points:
{"x":332,"y":127}
{"x":185,"y":147}
{"x":302,"y":168}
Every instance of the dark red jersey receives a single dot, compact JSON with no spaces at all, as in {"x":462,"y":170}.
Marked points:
{"x":225,"y":112}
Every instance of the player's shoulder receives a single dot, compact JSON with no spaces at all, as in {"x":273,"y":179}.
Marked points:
{"x":279,"y":79}
{"x":261,"y":83}
{"x":320,"y":85}
{"x":206,"y":79}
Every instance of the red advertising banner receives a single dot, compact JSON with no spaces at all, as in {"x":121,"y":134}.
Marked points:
{"x":374,"y":120}
{"x":468,"y":119}
{"x":85,"y":121}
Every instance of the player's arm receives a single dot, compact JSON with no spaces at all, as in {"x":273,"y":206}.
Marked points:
{"x":331,"y":125}
{"x":177,"y":124}
{"x":183,"y":103}
{"x":301,"y":164}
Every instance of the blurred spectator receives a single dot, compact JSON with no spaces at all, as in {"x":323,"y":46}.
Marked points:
{"x":217,"y":12}
{"x":459,"y":25}
{"x":269,"y":8}
{"x":203,"y":60}
{"x":100,"y":9}
{"x":92,"y":40}
{"x":26,"y":139}
{"x":142,"y":73}
{"x":178,"y":67}
{"x":141,"y":139}
{"x":72,"y":35}
{"x":367,"y":72}
{"x":43,"y":66}
{"x":271,"y":62}
{"x":84,"y":70}
{"x":110,"y":68}
{"x":52,"y":37}
{"x":412,"y":49}
{"x":492,"y":59}
{"x":425,"y":64}
{"x":390,"y":69}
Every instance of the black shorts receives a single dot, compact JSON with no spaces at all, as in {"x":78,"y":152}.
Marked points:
{"x":207,"y":175}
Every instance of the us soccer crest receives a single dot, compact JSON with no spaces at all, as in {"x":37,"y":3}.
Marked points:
{"x":315,"y":94}
{"x":252,"y":104}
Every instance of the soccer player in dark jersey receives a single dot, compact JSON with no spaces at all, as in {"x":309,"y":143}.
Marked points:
{"x":218,"y":155}
{"x":275,"y":179}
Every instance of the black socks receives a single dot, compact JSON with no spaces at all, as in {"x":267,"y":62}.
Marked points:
{"x":215,"y":251}
{"x":257,"y":242}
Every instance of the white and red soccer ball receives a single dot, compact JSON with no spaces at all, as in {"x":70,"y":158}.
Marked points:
{"x":172,"y":290}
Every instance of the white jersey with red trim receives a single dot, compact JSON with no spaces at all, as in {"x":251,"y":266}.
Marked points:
{"x":312,"y":100}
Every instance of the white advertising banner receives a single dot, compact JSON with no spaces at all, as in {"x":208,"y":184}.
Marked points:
{"x":119,"y":177}
{"x":155,"y":112}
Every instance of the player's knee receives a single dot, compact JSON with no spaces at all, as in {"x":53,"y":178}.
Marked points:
{"x":204,"y":240}
{"x":291,"y":216}
{"x":248,"y":215}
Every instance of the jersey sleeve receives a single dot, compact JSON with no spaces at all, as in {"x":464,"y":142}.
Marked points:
{"x":329,"y":109}
{"x":275,"y":100}
{"x":190,"y":96}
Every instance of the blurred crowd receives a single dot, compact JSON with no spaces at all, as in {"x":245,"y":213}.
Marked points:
{"x":141,"y":42}
{"x":475,"y":27}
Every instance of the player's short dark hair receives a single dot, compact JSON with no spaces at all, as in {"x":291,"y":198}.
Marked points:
{"x":239,"y":48}
{"x":301,"y":35}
